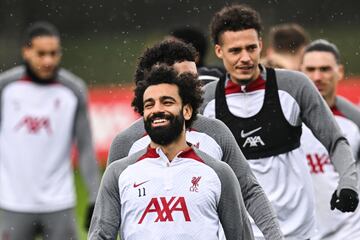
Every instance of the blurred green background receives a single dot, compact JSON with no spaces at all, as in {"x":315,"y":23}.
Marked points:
{"x":102,"y":39}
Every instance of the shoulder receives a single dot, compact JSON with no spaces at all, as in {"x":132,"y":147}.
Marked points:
{"x":123,"y":141}
{"x":209,"y":94}
{"x":132,"y":133}
{"x":222,"y":170}
{"x":207,"y":75}
{"x":288,"y":79}
{"x":210,"y":126}
{"x":116,"y":168}
{"x":73,"y":82}
{"x":348,"y":109}
{"x":11,"y":75}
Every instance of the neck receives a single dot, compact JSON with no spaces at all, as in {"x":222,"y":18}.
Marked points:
{"x":287,"y":61}
{"x":330,"y":100}
{"x":172,"y":150}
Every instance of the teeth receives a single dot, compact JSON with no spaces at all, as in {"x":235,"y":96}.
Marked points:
{"x":159,"y":120}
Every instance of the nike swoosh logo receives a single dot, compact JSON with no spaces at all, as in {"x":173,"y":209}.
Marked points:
{"x":244,"y":135}
{"x":136,"y":185}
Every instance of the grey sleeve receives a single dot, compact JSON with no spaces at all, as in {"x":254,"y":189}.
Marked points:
{"x":209,"y":94}
{"x":349,"y":109}
{"x":122,"y":143}
{"x":317,"y":116}
{"x":82,"y":133}
{"x":231,"y":209}
{"x":106,"y":219}
{"x":351,"y":112}
{"x":7,"y":77}
{"x":256,"y":202}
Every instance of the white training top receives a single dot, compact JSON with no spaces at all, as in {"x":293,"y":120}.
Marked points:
{"x":146,"y":196}
{"x":35,"y":145}
{"x":330,"y":224}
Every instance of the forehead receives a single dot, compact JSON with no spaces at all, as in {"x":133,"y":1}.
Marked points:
{"x":45,"y":42}
{"x":162,"y":90}
{"x":319,"y":58}
{"x":185,"y":66}
{"x":242,"y":37}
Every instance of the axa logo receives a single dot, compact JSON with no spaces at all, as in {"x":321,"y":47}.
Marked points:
{"x":195,"y":184}
{"x":34,"y":124}
{"x":161,"y":209}
{"x":317,"y":162}
{"x":252,"y":141}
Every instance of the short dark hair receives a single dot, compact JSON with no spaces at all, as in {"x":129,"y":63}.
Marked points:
{"x":195,"y":37}
{"x":322,"y":45}
{"x":167,"y":52}
{"x":234,"y":18}
{"x":288,"y":38}
{"x":39,"y":29}
{"x":189,"y":88}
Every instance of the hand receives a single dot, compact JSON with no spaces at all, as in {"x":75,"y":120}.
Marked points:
{"x":88,"y":216}
{"x":346,"y":202}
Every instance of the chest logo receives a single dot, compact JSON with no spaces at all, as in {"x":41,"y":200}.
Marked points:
{"x":162,"y":209}
{"x":244,"y":135}
{"x":253,"y":142}
{"x":195,"y":184}
{"x":139,"y":184}
{"x":317,"y":162}
{"x":34,"y":124}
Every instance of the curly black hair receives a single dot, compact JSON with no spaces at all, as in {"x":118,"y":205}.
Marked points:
{"x":167,"y":52}
{"x":234,"y":18}
{"x":189,"y":87}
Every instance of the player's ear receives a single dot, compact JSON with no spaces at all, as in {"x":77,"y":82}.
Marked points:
{"x":187,"y":111}
{"x":218,"y":51}
{"x":25,"y":52}
{"x":341,"y":71}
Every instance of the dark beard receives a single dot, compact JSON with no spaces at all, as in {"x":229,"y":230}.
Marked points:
{"x":164,"y":135}
{"x":37,"y":79}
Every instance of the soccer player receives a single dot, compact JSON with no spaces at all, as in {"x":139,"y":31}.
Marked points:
{"x":321,"y":63}
{"x":43,"y":110}
{"x":169,"y":190}
{"x":264,"y":108}
{"x":209,"y":135}
{"x":287,"y":42}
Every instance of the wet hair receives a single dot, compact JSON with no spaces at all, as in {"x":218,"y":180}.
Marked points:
{"x":189,"y":88}
{"x":195,"y":37}
{"x":39,"y":29}
{"x":322,"y":45}
{"x":288,"y":38}
{"x":166,"y":52}
{"x":234,"y":18}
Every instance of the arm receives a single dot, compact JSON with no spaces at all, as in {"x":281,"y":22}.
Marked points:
{"x":231,"y":210}
{"x":106,"y":219}
{"x":87,"y":161}
{"x":318,"y":117}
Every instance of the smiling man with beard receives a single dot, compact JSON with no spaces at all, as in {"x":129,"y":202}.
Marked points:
{"x":264,"y":109}
{"x":169,"y":190}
